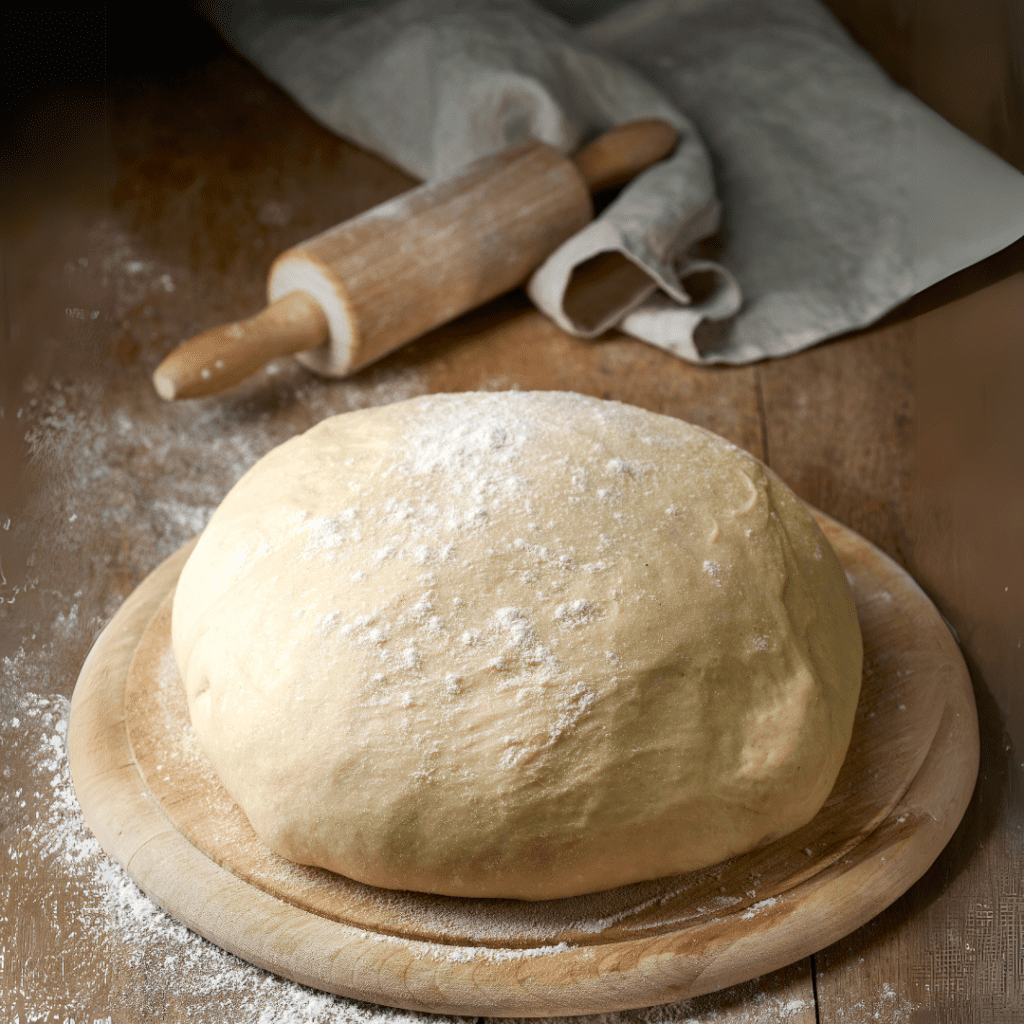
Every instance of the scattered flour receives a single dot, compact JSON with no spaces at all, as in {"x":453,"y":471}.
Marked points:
{"x":74,"y":928}
{"x":75,"y":931}
{"x":758,"y":907}
{"x":56,"y":879}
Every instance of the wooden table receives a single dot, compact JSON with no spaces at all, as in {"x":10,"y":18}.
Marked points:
{"x":144,"y":221}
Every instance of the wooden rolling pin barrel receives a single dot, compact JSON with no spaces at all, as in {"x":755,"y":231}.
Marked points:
{"x":361,"y":289}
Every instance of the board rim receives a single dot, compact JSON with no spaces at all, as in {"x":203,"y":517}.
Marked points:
{"x":411,"y":973}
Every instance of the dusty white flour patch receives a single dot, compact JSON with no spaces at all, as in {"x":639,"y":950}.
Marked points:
{"x":108,"y":927}
{"x":113,"y":494}
{"x":56,"y":878}
{"x":756,"y":908}
{"x":117,"y":493}
{"x":469,"y":954}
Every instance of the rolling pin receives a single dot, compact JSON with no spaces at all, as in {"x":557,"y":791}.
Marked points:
{"x":350,"y":295}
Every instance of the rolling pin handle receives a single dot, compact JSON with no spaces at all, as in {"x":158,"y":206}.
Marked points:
{"x":226,"y":355}
{"x":622,"y":152}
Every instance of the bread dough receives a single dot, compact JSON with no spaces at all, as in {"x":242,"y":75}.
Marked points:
{"x":524,"y":645}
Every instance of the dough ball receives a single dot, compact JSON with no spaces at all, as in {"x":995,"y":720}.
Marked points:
{"x":524,"y":645}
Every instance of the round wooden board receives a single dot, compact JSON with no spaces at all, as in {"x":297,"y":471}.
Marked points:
{"x":155,"y":805}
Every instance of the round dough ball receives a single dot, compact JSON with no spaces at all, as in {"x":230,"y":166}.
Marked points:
{"x":524,"y":645}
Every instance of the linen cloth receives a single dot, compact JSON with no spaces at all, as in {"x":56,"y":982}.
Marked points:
{"x":829,"y":194}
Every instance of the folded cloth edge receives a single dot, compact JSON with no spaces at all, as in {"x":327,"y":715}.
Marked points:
{"x":653,"y":221}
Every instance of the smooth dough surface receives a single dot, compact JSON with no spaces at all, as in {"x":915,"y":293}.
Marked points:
{"x":517,"y":644}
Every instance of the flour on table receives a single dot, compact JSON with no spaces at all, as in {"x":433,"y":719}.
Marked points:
{"x":100,"y":474}
{"x":104,"y":474}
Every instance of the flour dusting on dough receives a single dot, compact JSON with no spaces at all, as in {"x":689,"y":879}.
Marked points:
{"x":626,"y":677}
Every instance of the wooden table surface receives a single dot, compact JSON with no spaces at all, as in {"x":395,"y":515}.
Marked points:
{"x":148,"y":207}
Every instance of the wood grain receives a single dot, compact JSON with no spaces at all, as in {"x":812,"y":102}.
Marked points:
{"x":190,"y":163}
{"x":223,"y":356}
{"x":421,"y":259}
{"x":907,"y":777}
{"x":849,"y":424}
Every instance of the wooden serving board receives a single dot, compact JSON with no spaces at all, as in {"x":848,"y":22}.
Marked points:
{"x":156,"y":806}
